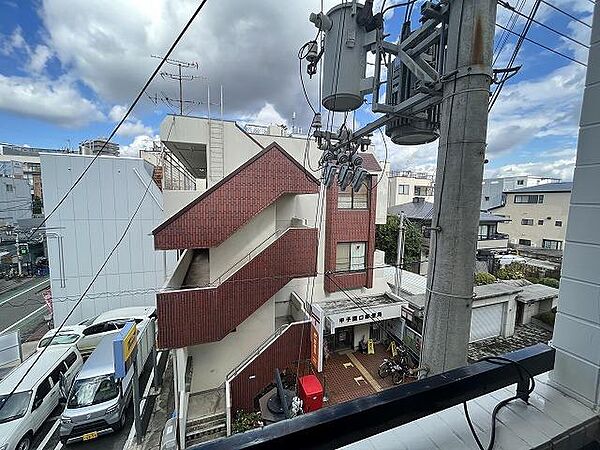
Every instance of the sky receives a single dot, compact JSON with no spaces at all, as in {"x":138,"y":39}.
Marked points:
{"x":69,"y":70}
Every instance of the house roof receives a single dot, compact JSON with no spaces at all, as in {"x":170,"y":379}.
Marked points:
{"x":548,"y":187}
{"x":424,"y":211}
{"x":495,"y":290}
{"x":536,"y":292}
{"x":370,"y":162}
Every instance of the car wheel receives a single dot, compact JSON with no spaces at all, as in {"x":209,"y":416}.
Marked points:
{"x":24,"y":444}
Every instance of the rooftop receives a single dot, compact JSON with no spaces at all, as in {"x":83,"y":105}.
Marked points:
{"x":424,"y":211}
{"x":344,"y":304}
{"x":548,"y":187}
{"x":536,"y":293}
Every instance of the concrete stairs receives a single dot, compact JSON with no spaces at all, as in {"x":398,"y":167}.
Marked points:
{"x":205,"y":429}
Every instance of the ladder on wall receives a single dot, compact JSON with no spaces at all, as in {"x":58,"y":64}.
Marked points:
{"x":216,"y":150}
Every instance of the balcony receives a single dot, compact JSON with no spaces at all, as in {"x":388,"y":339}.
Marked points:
{"x":492,"y":241}
{"x":192,"y":311}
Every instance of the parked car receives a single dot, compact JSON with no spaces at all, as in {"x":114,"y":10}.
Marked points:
{"x":88,"y":334}
{"x":98,"y":402}
{"x":40,"y":382}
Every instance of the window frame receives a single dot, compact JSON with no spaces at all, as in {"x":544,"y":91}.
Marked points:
{"x":559,"y":244}
{"x":522,"y":242}
{"x":527,"y":222}
{"x":351,"y":267}
{"x":344,"y":194}
{"x":558,"y":223}
{"x":404,"y":189}
{"x":528,"y":199}
{"x":428,"y":191}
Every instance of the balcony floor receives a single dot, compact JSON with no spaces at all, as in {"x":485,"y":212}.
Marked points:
{"x":552,"y":420}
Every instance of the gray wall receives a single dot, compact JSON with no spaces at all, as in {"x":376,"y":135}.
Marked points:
{"x":15,"y":200}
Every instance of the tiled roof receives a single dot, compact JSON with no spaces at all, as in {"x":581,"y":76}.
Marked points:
{"x":424,"y":211}
{"x":370,"y":162}
{"x":548,"y":187}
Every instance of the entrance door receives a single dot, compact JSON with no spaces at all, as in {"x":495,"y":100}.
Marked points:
{"x":375,"y":333}
{"x":344,"y":338}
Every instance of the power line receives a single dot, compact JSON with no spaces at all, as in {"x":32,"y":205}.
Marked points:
{"x":508,"y":6}
{"x":556,"y":52}
{"x":134,"y":103}
{"x":566,"y":13}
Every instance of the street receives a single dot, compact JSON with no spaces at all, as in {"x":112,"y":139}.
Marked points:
{"x":23,"y":307}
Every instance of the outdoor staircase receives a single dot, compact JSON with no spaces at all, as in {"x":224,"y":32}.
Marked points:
{"x":206,"y":428}
{"x":216,"y":146}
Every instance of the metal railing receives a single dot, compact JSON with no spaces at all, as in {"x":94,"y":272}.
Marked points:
{"x":410,"y":174}
{"x":492,"y":237}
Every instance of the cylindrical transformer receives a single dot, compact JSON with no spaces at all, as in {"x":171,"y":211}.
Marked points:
{"x":420,"y":128}
{"x":344,"y":60}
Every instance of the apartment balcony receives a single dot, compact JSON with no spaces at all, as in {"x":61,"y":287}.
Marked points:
{"x":492,"y":241}
{"x":195,"y":309}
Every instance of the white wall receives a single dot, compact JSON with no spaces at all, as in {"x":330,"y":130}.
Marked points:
{"x":91,"y":220}
{"x":16,"y":203}
{"x":394,"y":196}
{"x":213,"y":361}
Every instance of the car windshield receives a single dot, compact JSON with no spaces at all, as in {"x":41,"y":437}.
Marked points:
{"x":91,"y":391}
{"x":59,"y":339}
{"x":14,"y":406}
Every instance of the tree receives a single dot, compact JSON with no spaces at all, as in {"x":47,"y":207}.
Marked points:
{"x":513,"y":271}
{"x":386,"y":239}
{"x":482,"y":278}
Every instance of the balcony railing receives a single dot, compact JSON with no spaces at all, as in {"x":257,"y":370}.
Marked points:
{"x":493,"y":237}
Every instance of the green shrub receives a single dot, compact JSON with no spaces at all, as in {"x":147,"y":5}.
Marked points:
{"x":552,"y":282}
{"x":482,"y":278}
{"x":513,"y":271}
{"x":245,"y":421}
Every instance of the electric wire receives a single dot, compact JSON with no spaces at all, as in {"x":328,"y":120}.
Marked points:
{"x":504,"y":35}
{"x":125,"y":116}
{"x":508,"y":6}
{"x":566,"y":13}
{"x":398,"y":5}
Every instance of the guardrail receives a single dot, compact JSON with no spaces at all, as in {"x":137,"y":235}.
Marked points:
{"x":348,"y":422}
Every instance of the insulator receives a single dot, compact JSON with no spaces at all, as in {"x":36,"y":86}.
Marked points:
{"x":358,"y":179}
{"x":357,"y":160}
{"x":329,"y":174}
{"x":345,"y":176}
{"x":312,"y":51}
{"x":316,"y":122}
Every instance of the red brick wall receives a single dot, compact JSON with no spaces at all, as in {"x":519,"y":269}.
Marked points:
{"x":349,"y":225}
{"x":227,"y":206}
{"x":197,"y":316}
{"x":280,"y":354}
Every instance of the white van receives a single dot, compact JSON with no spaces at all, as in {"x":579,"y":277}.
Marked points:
{"x":38,"y":392}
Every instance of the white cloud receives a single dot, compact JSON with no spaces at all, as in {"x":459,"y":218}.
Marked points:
{"x":562,"y":168}
{"x":55,"y":101}
{"x":39,"y":58}
{"x":117,"y":112}
{"x":133,"y":128}
{"x":267,"y":115}
{"x":142,"y":142}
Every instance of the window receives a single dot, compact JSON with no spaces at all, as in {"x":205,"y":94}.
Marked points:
{"x":529,"y":199}
{"x":42,"y":390}
{"x":426,"y":191}
{"x":403,"y":189}
{"x":526,"y":221}
{"x":520,"y":182}
{"x":55,"y":374}
{"x":525,"y":242}
{"x":487,"y":199}
{"x":558,"y":223}
{"x":349,"y":199}
{"x":541,"y":222}
{"x":9,"y":188}
{"x":552,"y":245}
{"x":70,"y":359}
{"x":350,"y":256}
{"x":99,"y":328}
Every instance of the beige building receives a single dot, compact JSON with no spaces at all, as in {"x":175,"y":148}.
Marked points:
{"x":405,"y":185}
{"x":538,"y":215}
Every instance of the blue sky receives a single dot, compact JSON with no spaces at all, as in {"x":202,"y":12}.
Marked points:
{"x":68,"y":70}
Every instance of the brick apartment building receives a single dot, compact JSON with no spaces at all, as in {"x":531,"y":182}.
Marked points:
{"x":250,"y":274}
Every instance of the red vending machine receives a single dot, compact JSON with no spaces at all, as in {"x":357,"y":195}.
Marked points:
{"x":311,"y":393}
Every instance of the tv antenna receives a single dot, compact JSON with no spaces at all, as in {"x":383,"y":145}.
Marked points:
{"x":180,"y":77}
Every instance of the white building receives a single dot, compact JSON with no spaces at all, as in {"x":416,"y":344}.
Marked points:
{"x":538,"y":215}
{"x":93,"y":146}
{"x":493,"y":188}
{"x":85,"y":228}
{"x":15,"y":200}
{"x":404,"y":186}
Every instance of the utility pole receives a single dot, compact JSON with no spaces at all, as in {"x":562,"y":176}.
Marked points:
{"x":399,"y":255}
{"x":180,"y":77}
{"x":19,"y":255}
{"x":461,"y":155}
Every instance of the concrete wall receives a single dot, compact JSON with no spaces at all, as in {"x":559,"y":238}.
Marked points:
{"x":175,"y":200}
{"x":555,"y":206}
{"x":15,"y":200}
{"x":212,"y":362}
{"x":91,"y":220}
{"x":492,"y":188}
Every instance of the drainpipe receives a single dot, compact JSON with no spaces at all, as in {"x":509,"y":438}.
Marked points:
{"x":228,"y":406}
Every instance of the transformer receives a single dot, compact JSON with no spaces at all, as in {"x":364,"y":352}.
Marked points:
{"x":420,"y":128}
{"x":344,"y":59}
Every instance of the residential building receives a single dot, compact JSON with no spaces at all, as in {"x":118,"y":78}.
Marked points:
{"x":489,"y":239}
{"x":537,"y":215}
{"x":88,"y":225}
{"x":93,"y":146}
{"x":405,"y":185}
{"x":492,"y":189}
{"x":15,"y":200}
{"x":264,"y":250}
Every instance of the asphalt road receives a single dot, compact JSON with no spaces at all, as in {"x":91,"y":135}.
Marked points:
{"x":24,"y":305}
{"x":47,"y":437}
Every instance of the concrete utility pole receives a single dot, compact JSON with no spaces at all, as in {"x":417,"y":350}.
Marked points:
{"x":399,"y":256}
{"x":459,"y":176}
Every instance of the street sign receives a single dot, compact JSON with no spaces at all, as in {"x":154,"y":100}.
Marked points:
{"x":124,"y":349}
